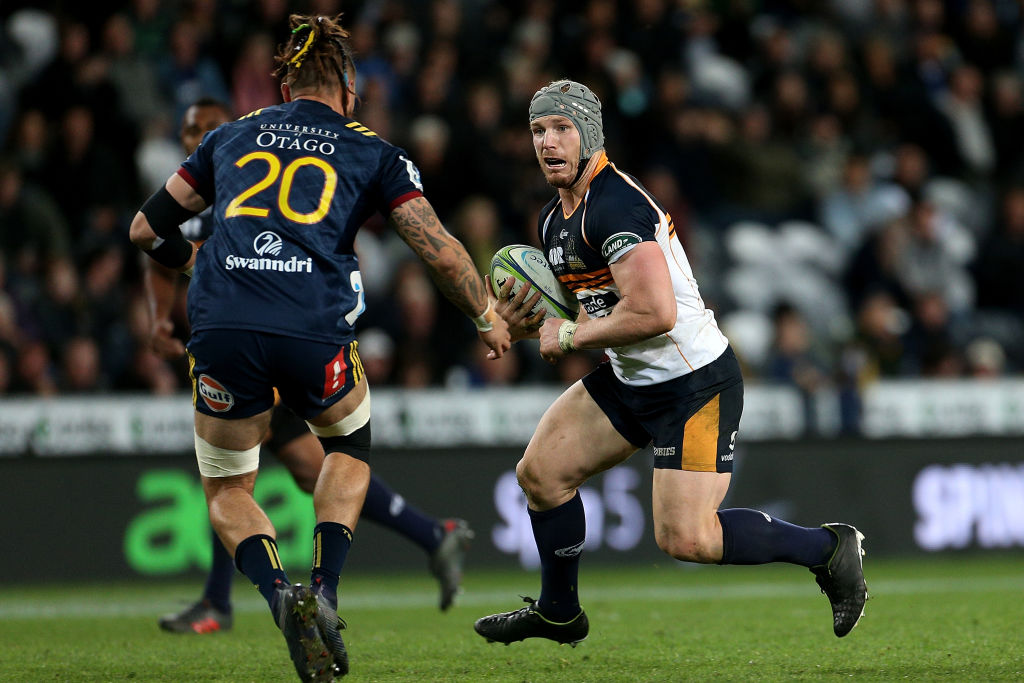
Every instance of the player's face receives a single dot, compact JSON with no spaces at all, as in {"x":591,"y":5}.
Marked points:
{"x":198,"y":122}
{"x":557,"y":145}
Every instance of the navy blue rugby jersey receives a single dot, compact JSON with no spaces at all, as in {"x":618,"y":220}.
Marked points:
{"x":289,"y":187}
{"x":615,"y":215}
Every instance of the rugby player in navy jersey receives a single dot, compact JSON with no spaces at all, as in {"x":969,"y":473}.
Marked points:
{"x":671,"y":381}
{"x":445,"y":541}
{"x":275,"y":294}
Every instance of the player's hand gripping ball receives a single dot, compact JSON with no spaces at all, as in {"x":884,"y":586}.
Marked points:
{"x":527,"y":265}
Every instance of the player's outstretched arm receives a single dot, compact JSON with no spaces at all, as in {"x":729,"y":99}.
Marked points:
{"x":647,"y":308}
{"x":451,"y":268}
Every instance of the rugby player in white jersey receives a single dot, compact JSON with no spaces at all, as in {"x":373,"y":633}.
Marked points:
{"x":671,"y":380}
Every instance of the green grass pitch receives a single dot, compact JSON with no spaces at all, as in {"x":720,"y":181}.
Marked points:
{"x":947,"y":619}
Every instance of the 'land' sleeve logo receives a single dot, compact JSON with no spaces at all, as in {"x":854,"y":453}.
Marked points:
{"x":618,"y":244}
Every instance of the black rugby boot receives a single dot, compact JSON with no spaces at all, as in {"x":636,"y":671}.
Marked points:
{"x":842,"y":578}
{"x":297,"y":618}
{"x":527,"y":622}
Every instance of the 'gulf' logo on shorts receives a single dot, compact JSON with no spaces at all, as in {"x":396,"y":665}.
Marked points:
{"x":216,"y":397}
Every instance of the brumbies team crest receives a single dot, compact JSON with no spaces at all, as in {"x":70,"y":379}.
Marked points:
{"x":216,"y":397}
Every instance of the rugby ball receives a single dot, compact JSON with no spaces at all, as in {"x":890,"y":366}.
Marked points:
{"x":526,"y":264}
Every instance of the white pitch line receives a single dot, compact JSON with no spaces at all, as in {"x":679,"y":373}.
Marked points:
{"x":40,"y":607}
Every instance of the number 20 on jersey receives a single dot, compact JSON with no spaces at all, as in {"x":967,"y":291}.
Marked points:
{"x":238,"y":206}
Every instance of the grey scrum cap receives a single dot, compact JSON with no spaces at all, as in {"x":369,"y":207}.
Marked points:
{"x":577,"y":103}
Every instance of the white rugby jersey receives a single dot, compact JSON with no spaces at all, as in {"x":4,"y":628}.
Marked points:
{"x":617,"y":214}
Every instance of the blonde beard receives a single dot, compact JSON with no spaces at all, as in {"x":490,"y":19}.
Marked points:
{"x":565,"y":183}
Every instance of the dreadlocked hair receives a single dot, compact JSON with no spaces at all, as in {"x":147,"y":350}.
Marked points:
{"x":317,"y":55}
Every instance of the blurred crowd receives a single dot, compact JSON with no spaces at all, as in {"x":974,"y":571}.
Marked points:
{"x":847,"y":176}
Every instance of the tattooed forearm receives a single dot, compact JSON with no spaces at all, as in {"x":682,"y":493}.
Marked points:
{"x":450,"y":266}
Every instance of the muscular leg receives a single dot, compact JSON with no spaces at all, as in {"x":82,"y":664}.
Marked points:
{"x":573,"y":441}
{"x":304,"y":457}
{"x":337,"y":500}
{"x":445,"y":542}
{"x":689,"y":526}
{"x":240,"y":523}
{"x":234,"y":513}
{"x":685,"y":524}
{"x":341,"y":488}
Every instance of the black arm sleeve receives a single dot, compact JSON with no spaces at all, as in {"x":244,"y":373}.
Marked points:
{"x":165,"y":216}
{"x":172,"y":253}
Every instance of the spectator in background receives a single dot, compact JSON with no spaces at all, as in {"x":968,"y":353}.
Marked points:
{"x":83,"y":173}
{"x":80,"y":371}
{"x":55,"y":88}
{"x":34,"y":372}
{"x":1006,"y":121}
{"x":34,"y":231}
{"x":186,"y":74}
{"x":253,"y":85}
{"x":151,"y":21}
{"x":131,"y":73}
{"x":430,"y":145}
{"x":823,"y":152}
{"x":478,"y":226}
{"x":930,"y":349}
{"x":962,"y":106}
{"x":759,"y":172}
{"x":437,"y":89}
{"x":881,"y":325}
{"x":373,"y":67}
{"x":985,"y":359}
{"x":982,"y":40}
{"x":377,"y":351}
{"x":861,"y":204}
{"x":484,"y":142}
{"x":60,"y":312}
{"x":933,"y":60}
{"x":790,"y":106}
{"x":999,"y":268}
{"x":105,"y":302}
{"x":911,"y":169}
{"x":935,"y":256}
{"x":29,"y":145}
{"x":792,"y":360}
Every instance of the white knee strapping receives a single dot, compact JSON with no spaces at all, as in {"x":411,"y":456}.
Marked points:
{"x":224,"y":462}
{"x":348,"y":424}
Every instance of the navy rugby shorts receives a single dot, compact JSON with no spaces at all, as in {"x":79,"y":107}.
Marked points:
{"x":691,"y":420}
{"x":234,"y":373}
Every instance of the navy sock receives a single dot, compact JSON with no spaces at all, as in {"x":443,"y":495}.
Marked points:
{"x":560,"y":533}
{"x":331,"y":542}
{"x":389,"y":509}
{"x":752,"y":537}
{"x":218,"y":581}
{"x":257,"y":558}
